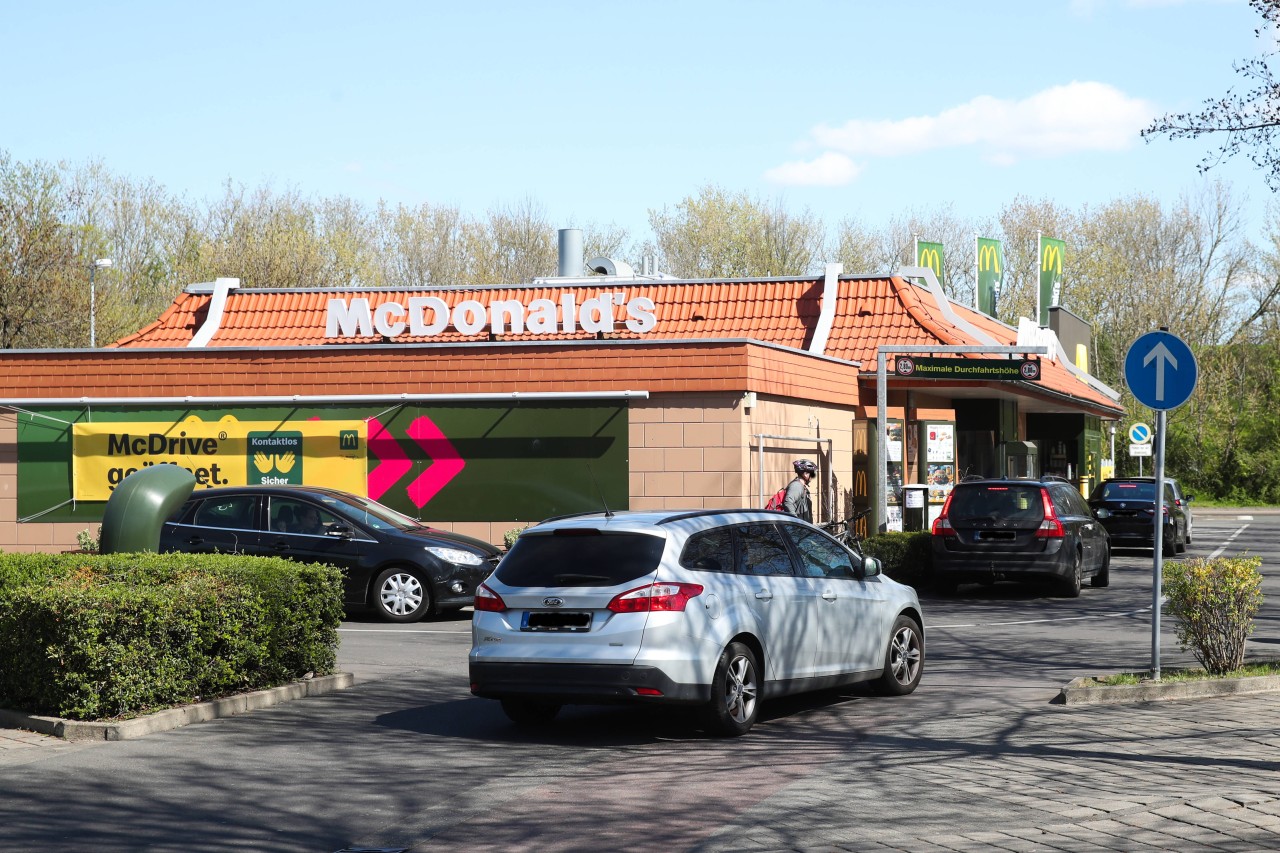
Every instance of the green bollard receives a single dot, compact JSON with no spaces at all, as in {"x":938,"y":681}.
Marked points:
{"x":137,"y":509}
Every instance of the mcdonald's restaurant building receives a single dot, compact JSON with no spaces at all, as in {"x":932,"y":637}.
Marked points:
{"x":483,"y":409}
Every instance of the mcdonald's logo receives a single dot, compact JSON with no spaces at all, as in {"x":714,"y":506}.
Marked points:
{"x":932,"y":259}
{"x":348,"y":439}
{"x":1051,"y":259}
{"x":989,"y":259}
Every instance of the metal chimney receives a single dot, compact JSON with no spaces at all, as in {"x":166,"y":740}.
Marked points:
{"x":570,"y":253}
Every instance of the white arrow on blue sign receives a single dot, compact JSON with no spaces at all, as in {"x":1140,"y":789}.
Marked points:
{"x":1161,"y":371}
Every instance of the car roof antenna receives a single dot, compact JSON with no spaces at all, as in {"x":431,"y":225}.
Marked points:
{"x":608,"y":513}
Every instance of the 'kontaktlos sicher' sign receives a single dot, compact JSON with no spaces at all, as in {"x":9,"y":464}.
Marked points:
{"x":1025,"y":369}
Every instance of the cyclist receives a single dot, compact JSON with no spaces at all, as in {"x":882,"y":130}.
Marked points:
{"x":797,"y":501}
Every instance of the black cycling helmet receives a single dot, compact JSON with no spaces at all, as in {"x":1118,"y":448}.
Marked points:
{"x":804,"y":466}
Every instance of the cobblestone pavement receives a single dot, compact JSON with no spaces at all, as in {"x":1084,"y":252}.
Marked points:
{"x":1195,"y":775}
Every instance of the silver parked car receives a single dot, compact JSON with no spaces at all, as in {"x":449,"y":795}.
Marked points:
{"x":714,"y":609}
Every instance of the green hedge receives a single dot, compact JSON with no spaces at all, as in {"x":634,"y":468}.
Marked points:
{"x":905,"y":557}
{"x":97,"y":637}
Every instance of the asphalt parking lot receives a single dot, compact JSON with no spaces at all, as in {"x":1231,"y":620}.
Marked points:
{"x":978,"y":759}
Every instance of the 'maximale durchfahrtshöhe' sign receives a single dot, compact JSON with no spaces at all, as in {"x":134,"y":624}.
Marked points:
{"x":1024,"y":369}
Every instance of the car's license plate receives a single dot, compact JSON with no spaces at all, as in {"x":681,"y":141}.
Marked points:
{"x":555,"y":620}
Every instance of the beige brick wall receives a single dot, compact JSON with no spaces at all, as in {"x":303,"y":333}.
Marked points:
{"x":702,"y":451}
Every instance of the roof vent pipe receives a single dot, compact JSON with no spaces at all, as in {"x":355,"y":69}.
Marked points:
{"x":608,"y":266}
{"x":570,"y":253}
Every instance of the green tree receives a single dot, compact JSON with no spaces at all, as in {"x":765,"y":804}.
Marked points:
{"x":511,"y":245}
{"x":420,"y":246}
{"x":41,"y":283}
{"x":718,"y":234}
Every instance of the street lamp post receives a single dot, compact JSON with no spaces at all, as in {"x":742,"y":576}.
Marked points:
{"x":93,"y":314}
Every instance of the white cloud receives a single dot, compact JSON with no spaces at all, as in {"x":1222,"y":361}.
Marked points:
{"x":1079,"y":116}
{"x":827,"y":170}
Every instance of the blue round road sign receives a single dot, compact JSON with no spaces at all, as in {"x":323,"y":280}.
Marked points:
{"x":1139,"y":433}
{"x":1160,"y":370}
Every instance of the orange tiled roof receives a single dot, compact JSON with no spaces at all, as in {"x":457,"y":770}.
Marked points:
{"x":870,"y":312}
{"x":781,"y":312}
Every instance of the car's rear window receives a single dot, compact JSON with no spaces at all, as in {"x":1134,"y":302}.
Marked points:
{"x":580,"y":558}
{"x":1131,"y":491}
{"x":997,"y":501}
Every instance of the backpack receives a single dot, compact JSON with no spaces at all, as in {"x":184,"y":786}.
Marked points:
{"x":778,"y":501}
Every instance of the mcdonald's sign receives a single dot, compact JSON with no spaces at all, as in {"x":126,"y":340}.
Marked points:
{"x":930,"y":255}
{"x":989,"y":258}
{"x":990,"y":275}
{"x":1051,"y":260}
{"x":1051,"y":252}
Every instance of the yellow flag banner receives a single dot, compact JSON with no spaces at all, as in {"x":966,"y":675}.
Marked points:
{"x":221,"y":453}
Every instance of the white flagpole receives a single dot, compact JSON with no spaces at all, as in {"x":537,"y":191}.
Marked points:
{"x":977,"y":275}
{"x":1039,"y":272}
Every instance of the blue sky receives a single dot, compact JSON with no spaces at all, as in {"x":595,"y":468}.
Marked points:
{"x":599,"y":111}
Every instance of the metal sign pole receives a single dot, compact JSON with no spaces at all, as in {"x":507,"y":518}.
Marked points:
{"x":1161,"y":371}
{"x":1158,"y":560}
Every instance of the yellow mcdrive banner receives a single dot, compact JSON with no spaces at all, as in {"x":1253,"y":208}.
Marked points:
{"x":222,"y":453}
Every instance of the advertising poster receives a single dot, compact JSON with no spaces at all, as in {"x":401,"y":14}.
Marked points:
{"x":940,"y":443}
{"x":942,"y":477}
{"x":449,"y":462}
{"x":226,"y":452}
{"x":894,"y":518}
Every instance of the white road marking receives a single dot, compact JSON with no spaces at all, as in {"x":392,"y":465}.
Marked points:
{"x":1040,"y":621}
{"x":1227,"y":542}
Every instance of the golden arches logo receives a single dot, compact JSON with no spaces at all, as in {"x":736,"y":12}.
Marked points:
{"x":1051,"y":259}
{"x":989,"y":259}
{"x":932,"y":259}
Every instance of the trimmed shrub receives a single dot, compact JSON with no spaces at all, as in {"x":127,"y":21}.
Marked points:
{"x":906,"y":557}
{"x":1215,"y":602}
{"x":94,"y":637}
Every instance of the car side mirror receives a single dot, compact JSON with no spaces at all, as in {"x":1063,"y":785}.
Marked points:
{"x":870,"y":567}
{"x":338,"y":531}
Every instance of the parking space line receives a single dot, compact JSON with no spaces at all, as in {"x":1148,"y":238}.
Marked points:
{"x":1227,"y":542}
{"x":1040,"y":621}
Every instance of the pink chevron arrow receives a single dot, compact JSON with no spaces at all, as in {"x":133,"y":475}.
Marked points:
{"x":445,"y":461}
{"x":393,"y":464}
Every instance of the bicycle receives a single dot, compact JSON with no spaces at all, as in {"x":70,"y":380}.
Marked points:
{"x":844,"y":530}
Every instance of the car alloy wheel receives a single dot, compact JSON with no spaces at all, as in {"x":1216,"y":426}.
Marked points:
{"x":904,"y":660}
{"x":734,"y":692}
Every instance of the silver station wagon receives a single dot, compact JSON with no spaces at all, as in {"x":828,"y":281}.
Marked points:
{"x":714,"y":609}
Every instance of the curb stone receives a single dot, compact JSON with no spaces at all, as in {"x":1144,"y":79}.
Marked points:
{"x":172,"y":718}
{"x":1088,"y":691}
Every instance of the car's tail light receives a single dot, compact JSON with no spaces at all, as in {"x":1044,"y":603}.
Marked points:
{"x":942,"y":524}
{"x":487,"y":599}
{"x":1051,"y":527}
{"x":656,"y":597}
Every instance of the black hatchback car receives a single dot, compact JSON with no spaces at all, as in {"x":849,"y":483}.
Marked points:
{"x":1127,"y":508}
{"x":1019,"y":529}
{"x":390,"y":562}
